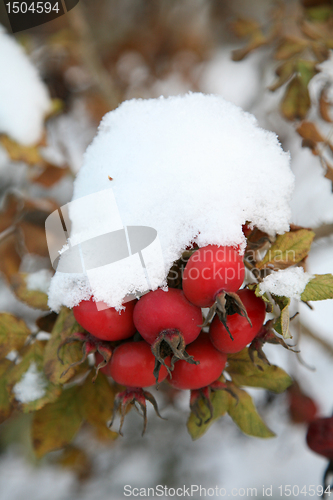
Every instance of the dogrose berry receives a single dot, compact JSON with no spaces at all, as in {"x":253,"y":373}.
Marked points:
{"x":211,"y":270}
{"x":106,"y":324}
{"x":320,"y":437}
{"x":240,"y":329}
{"x":167,"y":321}
{"x":212,"y":363}
{"x":211,"y":277}
{"x":302,"y":408}
{"x":132,"y":365}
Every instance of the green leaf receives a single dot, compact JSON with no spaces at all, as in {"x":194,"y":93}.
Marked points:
{"x":220,"y":402}
{"x":244,"y":373}
{"x":5,"y":403}
{"x":296,"y":101}
{"x":245,"y":415}
{"x":97,"y":404}
{"x":56,"y":424}
{"x":319,"y":288}
{"x":281,"y":325}
{"x":70,"y":353}
{"x":288,"y":249}
{"x":321,"y":13}
{"x":33,"y":298}
{"x":13,"y":333}
{"x":307,"y":70}
{"x":284,"y":72}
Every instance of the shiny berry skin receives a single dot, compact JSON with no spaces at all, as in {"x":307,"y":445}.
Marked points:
{"x":212,"y":362}
{"x":211,"y":270}
{"x":106,"y":324}
{"x":320,"y":437}
{"x":242,"y":332}
{"x":159,"y":311}
{"x":132,"y":365}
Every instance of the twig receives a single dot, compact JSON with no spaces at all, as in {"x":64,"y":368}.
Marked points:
{"x":323,"y":231}
{"x":309,"y":333}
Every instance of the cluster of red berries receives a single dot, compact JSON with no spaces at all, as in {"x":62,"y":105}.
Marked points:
{"x":172,"y":343}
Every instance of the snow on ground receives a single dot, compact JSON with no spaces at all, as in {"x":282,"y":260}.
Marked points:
{"x":178,"y":165}
{"x":24,"y":99}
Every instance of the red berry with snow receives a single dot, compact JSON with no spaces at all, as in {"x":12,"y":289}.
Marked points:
{"x":211,"y":270}
{"x":106,"y":324}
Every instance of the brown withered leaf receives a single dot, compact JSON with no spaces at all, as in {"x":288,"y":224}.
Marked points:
{"x":296,"y":101}
{"x":17,"y":152}
{"x":325,"y":106}
{"x":13,"y":333}
{"x":311,"y":30}
{"x":308,"y":130}
{"x":70,"y":353}
{"x":244,"y":27}
{"x":55,"y":425}
{"x":33,"y":298}
{"x":46,"y":323}
{"x":50,"y":175}
{"x":288,"y":249}
{"x":290,"y":46}
{"x":5,"y":403}
{"x":10,"y":258}
{"x":34,"y":238}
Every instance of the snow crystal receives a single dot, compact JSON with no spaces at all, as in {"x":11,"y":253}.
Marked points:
{"x":286,"y":282}
{"x":31,"y":386}
{"x":193,"y":167}
{"x":24,"y":99}
{"x":39,"y":280}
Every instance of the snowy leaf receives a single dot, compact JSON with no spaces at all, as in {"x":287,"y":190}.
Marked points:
{"x":220,"y":403}
{"x":70,"y":353}
{"x":244,"y":414}
{"x":319,"y":288}
{"x":55,"y":425}
{"x":289,"y":282}
{"x":34,"y":298}
{"x":281,"y":325}
{"x":288,"y":249}
{"x":245,"y":373}
{"x":13,"y":333}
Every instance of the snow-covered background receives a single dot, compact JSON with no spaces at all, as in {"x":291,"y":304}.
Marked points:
{"x":200,"y":62}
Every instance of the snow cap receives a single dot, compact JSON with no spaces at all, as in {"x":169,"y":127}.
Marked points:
{"x":193,"y":168}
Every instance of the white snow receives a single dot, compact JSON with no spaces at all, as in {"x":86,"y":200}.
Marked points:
{"x":191,"y":167}
{"x":40,"y":280}
{"x":286,"y":282}
{"x":24,"y":99}
{"x":31,"y":386}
